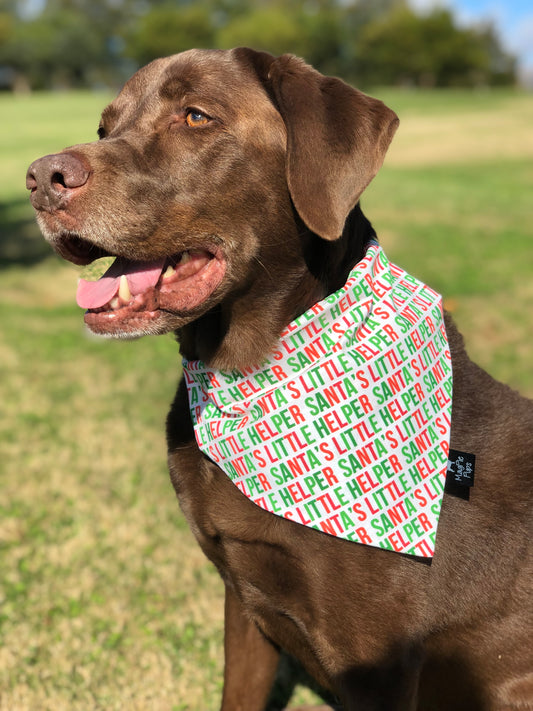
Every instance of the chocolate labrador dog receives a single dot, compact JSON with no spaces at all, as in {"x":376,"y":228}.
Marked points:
{"x":227,"y":185}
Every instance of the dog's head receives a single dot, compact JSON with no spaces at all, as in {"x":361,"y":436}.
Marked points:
{"x":209,"y":164}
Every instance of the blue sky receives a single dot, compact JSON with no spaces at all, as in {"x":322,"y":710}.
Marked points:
{"x":513,"y":19}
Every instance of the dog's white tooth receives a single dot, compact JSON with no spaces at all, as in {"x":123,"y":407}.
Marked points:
{"x":185,"y":257}
{"x":124,"y":288}
{"x":114,"y":303}
{"x":169,"y":271}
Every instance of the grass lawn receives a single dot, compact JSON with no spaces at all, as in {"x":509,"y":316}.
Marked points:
{"x":106,"y":602}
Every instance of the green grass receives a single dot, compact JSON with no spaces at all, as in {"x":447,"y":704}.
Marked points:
{"x":43,"y":123}
{"x":436,"y":102}
{"x":34,"y":126}
{"x":106,"y":602}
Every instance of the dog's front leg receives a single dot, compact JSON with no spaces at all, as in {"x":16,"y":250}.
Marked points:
{"x":392,"y":687}
{"x":250,"y":661}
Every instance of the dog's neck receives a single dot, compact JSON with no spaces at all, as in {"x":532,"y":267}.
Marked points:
{"x":243,"y":329}
{"x":331,"y":262}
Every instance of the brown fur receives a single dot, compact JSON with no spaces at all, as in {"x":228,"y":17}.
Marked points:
{"x":275,"y":184}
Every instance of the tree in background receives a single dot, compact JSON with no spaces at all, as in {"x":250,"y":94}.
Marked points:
{"x":167,"y":29}
{"x":368,"y":42}
{"x":403,"y":47}
{"x":311,"y":30}
{"x":68,"y":44}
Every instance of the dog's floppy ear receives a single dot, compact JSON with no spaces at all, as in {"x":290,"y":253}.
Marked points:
{"x":337,"y":138}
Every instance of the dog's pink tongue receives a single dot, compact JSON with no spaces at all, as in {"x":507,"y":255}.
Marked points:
{"x":140,"y":276}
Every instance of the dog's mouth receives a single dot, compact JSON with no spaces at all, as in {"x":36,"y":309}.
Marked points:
{"x":133,"y":298}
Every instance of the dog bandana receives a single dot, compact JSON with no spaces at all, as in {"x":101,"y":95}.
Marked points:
{"x":345,"y":426}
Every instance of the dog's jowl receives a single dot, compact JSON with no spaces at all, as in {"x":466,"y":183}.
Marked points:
{"x":323,"y":439}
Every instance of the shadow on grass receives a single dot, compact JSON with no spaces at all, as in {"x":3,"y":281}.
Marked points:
{"x":21,"y":242}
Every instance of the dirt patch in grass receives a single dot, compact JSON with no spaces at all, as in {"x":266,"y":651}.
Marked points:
{"x":48,"y":284}
{"x":474,"y":135}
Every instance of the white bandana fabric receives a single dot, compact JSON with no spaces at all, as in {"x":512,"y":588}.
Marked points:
{"x":345,"y":427}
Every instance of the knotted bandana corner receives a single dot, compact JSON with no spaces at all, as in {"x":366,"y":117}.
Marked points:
{"x":345,"y":427}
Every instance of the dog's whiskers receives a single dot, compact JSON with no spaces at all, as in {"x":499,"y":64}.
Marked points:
{"x":264,"y":267}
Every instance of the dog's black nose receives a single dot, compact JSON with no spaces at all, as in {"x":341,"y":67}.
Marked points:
{"x":53,"y":179}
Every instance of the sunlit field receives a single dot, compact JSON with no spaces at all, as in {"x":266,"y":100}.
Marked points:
{"x":106,"y":602}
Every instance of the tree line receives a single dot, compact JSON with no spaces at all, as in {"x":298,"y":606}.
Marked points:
{"x":79,"y":43}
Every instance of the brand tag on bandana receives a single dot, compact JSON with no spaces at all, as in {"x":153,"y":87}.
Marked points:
{"x":461,"y":467}
{"x":345,"y":426}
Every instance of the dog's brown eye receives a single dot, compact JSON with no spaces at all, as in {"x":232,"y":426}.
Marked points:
{"x":196,"y":118}
{"x":101,"y":132}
